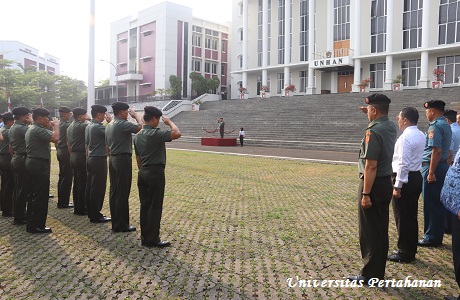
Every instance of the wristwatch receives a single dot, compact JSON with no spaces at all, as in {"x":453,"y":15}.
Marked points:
{"x":365,"y":194}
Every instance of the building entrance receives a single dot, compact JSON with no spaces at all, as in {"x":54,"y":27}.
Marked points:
{"x":345,"y":81}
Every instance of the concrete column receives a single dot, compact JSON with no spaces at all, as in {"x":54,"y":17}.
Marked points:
{"x":91,"y":89}
{"x":424,"y":81}
{"x":311,"y":88}
{"x":357,"y":45}
{"x":245,"y":43}
{"x":387,"y":85}
{"x":264,"y":42}
{"x":287,"y":41}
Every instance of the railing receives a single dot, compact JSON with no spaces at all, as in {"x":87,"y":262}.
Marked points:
{"x":132,"y":99}
{"x":128,"y":72}
{"x":333,"y":53}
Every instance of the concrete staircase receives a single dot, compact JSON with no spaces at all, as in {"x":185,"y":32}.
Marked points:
{"x":329,"y":122}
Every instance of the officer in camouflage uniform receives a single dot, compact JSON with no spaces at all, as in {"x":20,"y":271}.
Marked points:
{"x":38,"y":138}
{"x":118,"y":137}
{"x":5,"y":167}
{"x":375,"y":188}
{"x":150,"y":148}
{"x":17,"y":133}
{"x":63,"y":156}
{"x":76,"y":142}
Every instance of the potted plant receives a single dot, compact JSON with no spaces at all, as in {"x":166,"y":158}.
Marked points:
{"x":196,"y":104}
{"x":397,"y":83}
{"x":364,"y":84}
{"x":265,"y":92}
{"x":289,"y":89}
{"x":328,"y":54}
{"x":243,"y":93}
{"x":439,"y":78}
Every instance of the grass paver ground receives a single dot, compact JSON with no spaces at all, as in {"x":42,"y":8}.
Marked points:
{"x":240,"y":227}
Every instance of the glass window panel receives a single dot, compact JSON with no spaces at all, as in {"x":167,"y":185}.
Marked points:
{"x":406,"y":5}
{"x":420,"y":37}
{"x":413,"y":38}
{"x":443,"y":14}
{"x":450,"y":59}
{"x":451,"y":33}
{"x":420,"y":18}
{"x":405,"y":39}
{"x":452,"y":12}
{"x":404,"y":64}
{"x":412,"y":77}
{"x":442,"y":34}
{"x":413,"y":19}
{"x":406,"y":21}
{"x":373,"y":44}
{"x":456,"y":73}
{"x":449,"y":75}
{"x":373,"y":9}
{"x":414,"y":4}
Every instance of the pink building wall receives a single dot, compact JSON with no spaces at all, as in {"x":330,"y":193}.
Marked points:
{"x":122,"y":52}
{"x":147,"y":47}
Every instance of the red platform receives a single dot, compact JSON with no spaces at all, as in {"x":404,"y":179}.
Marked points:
{"x":218,"y":141}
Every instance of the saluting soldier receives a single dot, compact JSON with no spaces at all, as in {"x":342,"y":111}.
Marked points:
{"x":96,"y":163}
{"x":17,"y":133}
{"x":62,"y":153}
{"x":76,"y":144}
{"x":375,"y":188}
{"x":38,"y":138}
{"x":119,"y":141}
{"x":5,"y":167}
{"x":150,"y":148}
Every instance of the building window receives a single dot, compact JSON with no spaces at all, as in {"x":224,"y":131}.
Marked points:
{"x":449,"y":22}
{"x":196,"y":66}
{"x":224,"y":46}
{"x":240,"y":34}
{"x":241,"y":8}
{"x":214,"y":68}
{"x":280,"y":83}
{"x":207,"y":43}
{"x":377,"y":75}
{"x":303,"y":42}
{"x":196,"y":28}
{"x":207,"y":67}
{"x":451,"y":67}
{"x":378,"y":25}
{"x":215,"y":33}
{"x":412,"y":24}
{"x":281,"y":37}
{"x":341,"y":20}
{"x":303,"y":77}
{"x":410,"y":70}
{"x":196,"y":40}
{"x":214,"y":44}
{"x":222,"y":69}
{"x":208,"y":31}
{"x":240,"y":60}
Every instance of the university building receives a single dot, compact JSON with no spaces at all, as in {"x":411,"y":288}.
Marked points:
{"x":166,"y":40}
{"x":29,"y":57}
{"x":330,"y":46}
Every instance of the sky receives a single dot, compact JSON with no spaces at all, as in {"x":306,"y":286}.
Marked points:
{"x":61,"y":27}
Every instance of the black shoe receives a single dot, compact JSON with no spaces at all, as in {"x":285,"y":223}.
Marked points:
{"x":426,"y":243}
{"x":358,"y":279}
{"x":452,"y":298}
{"x":102,"y":219}
{"x":126,"y":229}
{"x":50,"y":196}
{"x":160,"y":244}
{"x":70,"y":205}
{"x":81,"y":213}
{"x":7,"y":214}
{"x":39,"y":230}
{"x":396,"y":257}
{"x":19,"y":222}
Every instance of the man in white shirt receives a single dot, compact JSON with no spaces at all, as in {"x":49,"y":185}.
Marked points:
{"x":451,"y":119}
{"x":407,"y":163}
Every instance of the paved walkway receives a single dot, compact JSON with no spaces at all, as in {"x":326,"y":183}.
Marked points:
{"x":292,"y":154}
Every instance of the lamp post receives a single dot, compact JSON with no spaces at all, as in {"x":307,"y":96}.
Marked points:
{"x":116,"y":75}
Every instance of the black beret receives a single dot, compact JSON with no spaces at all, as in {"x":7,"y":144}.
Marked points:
{"x":21,"y":111}
{"x":41,"y":112}
{"x":153,"y":111}
{"x":64,"y":109}
{"x":7,"y":116}
{"x":435,"y":104}
{"x":78,"y":111}
{"x":120,"y":106}
{"x":98,"y":108}
{"x":378,"y":99}
{"x":450,"y":113}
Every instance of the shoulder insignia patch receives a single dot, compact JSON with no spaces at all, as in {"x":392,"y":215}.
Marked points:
{"x":431,"y":133}
{"x":368,"y":136}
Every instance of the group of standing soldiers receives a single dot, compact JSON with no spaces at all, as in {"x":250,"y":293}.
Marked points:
{"x":82,"y":148}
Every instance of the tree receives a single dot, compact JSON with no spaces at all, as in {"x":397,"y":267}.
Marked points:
{"x":175,"y":87}
{"x":103,"y":83}
{"x":213,"y":83}
{"x":199,"y":83}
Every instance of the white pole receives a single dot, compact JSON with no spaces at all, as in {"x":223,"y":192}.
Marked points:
{"x":91,"y":90}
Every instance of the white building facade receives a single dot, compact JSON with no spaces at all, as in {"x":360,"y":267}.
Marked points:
{"x":166,"y":40}
{"x":330,"y":46}
{"x":29,"y":57}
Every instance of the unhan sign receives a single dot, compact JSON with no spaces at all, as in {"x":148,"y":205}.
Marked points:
{"x":331,"y":62}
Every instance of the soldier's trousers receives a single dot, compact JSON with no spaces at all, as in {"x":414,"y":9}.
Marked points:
{"x":39,"y":171}
{"x":96,"y":185}
{"x":65,"y":176}
{"x":433,"y":210}
{"x":78,"y":162}
{"x":21,"y":187}
{"x":6,"y":185}
{"x":373,"y":227}
{"x":151,"y":184}
{"x":120,"y":173}
{"x":456,"y":246}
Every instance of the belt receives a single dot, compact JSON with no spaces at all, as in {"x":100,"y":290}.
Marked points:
{"x":121,"y":154}
{"x":21,"y":154}
{"x":427,"y":163}
{"x":154,"y":165}
{"x":39,"y":158}
{"x":361,"y":176}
